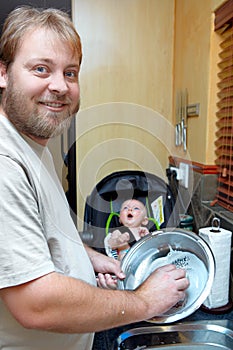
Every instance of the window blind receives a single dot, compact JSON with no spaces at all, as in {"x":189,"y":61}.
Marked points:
{"x":224,"y":142}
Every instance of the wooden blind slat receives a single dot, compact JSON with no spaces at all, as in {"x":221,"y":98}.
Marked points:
{"x":225,"y":103}
{"x":226,"y":152}
{"x":225,"y":73}
{"x":226,"y":192}
{"x":227,"y":205}
{"x":227,"y":39}
{"x":224,"y":134}
{"x":226,"y":63}
{"x":224,"y":180}
{"x":224,"y":93}
{"x":223,"y":15}
{"x":224,"y":83}
{"x":227,"y":52}
{"x":223,"y":115}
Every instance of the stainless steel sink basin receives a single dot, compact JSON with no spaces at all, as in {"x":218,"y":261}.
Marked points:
{"x":205,"y":335}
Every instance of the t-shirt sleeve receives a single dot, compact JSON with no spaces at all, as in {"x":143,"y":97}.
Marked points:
{"x":24,"y":252}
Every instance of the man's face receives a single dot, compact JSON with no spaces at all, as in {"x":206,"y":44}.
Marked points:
{"x":41,"y":86}
{"x":133,"y":213}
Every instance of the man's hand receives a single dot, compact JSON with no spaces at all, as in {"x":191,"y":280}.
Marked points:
{"x":163,"y":289}
{"x":108,"y":269}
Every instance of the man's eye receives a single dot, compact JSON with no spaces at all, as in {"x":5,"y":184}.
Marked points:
{"x":41,"y":69}
{"x":71,"y":74}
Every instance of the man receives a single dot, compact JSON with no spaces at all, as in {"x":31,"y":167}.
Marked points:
{"x":49,"y":297}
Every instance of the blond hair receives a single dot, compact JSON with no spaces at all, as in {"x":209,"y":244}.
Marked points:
{"x":25,"y":18}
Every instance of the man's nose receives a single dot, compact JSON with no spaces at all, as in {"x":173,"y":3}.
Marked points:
{"x":58,"y":84}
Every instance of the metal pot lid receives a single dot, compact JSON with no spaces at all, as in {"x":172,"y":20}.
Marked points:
{"x":183,"y":248}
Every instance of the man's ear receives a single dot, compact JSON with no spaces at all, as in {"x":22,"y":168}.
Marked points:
{"x":3,"y":75}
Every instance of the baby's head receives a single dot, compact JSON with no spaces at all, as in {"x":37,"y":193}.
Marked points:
{"x":133,"y":213}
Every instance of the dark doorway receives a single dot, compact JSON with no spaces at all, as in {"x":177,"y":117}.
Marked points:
{"x":7,"y":6}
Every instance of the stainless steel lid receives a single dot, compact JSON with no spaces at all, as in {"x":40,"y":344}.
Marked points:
{"x":183,"y":248}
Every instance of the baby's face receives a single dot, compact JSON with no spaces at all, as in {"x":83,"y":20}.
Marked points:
{"x":132,"y":213}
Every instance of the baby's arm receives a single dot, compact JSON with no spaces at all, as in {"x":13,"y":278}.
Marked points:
{"x":118,"y":240}
{"x":116,"y":244}
{"x":143,"y":231}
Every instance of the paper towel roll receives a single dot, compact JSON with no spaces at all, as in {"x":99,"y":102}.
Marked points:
{"x":220,"y":243}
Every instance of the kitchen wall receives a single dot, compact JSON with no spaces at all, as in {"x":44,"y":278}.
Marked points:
{"x":195,"y":68}
{"x":137,"y":54}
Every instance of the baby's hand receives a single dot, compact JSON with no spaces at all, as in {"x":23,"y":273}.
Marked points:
{"x":143,"y":231}
{"x":118,"y":239}
{"x":106,"y":281}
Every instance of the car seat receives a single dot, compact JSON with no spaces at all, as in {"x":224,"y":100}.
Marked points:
{"x":103,"y":204}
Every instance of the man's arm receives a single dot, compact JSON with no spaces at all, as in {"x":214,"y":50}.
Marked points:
{"x":104,"y":264}
{"x":63,"y":304}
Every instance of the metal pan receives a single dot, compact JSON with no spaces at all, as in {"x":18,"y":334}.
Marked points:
{"x":183,"y":248}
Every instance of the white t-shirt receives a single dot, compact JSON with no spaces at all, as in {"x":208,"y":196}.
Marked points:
{"x":37,"y":235}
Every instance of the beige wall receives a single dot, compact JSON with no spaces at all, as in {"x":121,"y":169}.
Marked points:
{"x":126,"y":88}
{"x":136,"y":55}
{"x":128,"y":52}
{"x":195,"y":68}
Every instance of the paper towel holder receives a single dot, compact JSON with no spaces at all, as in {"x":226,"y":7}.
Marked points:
{"x":215,"y":225}
{"x":229,"y":306}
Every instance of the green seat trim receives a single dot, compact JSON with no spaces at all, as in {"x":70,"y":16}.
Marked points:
{"x":113,"y":213}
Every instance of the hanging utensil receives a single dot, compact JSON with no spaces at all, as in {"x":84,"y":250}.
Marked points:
{"x":184,"y":120}
{"x":178,"y":119}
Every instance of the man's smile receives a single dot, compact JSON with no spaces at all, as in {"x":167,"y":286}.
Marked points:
{"x":53,"y":104}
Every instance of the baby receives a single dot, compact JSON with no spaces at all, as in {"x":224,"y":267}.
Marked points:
{"x":133,"y":217}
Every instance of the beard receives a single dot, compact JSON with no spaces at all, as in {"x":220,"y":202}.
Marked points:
{"x":31,"y":121}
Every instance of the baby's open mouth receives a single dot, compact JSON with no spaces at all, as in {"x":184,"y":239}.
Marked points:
{"x":130,"y":215}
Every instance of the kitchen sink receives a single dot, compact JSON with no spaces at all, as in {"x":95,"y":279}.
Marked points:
{"x":204,"y":335}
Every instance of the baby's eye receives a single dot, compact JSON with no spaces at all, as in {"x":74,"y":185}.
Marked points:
{"x":136,"y":208}
{"x":125,"y":208}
